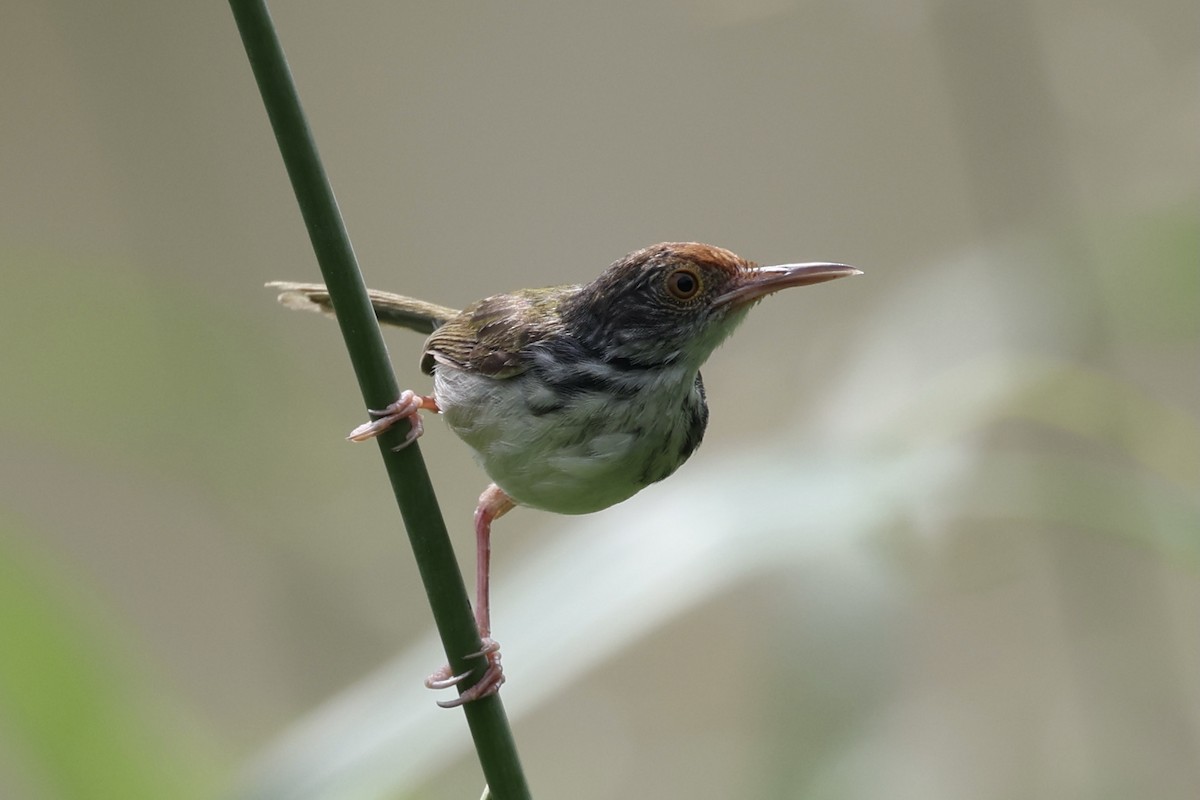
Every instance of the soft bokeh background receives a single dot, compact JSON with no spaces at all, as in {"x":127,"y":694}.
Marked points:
{"x":942,"y":540}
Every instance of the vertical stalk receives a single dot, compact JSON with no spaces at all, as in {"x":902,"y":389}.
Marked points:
{"x":368,"y":355}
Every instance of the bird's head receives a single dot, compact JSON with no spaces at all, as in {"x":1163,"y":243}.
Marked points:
{"x":675,"y":302}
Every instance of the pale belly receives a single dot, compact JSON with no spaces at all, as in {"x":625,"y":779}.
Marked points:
{"x":576,"y":455}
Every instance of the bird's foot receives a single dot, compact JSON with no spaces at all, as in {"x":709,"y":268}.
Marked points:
{"x":405,"y":407}
{"x":487,"y":685}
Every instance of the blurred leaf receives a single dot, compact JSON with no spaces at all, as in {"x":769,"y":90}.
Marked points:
{"x":1148,"y":268}
{"x":1067,"y":396}
{"x":77,"y":708}
{"x":649,"y":562}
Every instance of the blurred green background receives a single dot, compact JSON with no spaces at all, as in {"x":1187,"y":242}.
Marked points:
{"x":942,"y":540}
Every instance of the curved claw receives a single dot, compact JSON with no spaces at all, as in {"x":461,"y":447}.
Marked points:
{"x":405,"y":407}
{"x":416,"y":427}
{"x":489,"y":683}
{"x":442,"y":679}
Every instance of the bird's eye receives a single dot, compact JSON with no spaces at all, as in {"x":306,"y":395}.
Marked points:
{"x":683,"y":284}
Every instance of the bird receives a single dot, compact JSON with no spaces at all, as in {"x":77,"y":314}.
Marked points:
{"x":572,"y":398}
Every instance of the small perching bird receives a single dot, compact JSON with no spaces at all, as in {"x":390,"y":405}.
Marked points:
{"x":573,"y":398}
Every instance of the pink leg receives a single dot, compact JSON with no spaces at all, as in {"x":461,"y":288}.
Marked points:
{"x":493,"y":504}
{"x":405,"y":407}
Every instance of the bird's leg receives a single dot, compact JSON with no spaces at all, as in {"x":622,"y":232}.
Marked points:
{"x":493,"y":503}
{"x":405,"y":407}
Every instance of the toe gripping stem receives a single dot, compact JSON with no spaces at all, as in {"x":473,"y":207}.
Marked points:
{"x":405,"y":407}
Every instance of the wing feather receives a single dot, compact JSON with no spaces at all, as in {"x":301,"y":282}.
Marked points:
{"x":491,"y":336}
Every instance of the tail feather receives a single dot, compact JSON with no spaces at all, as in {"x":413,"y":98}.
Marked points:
{"x":390,"y":309}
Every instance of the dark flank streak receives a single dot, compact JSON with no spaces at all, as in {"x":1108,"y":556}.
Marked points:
{"x":566,"y":366}
{"x":694,"y":414}
{"x":697,"y":415}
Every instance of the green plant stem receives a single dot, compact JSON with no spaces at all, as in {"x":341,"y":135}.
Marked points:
{"x":368,"y":355}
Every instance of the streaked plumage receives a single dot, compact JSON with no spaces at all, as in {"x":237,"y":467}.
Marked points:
{"x":574,"y":398}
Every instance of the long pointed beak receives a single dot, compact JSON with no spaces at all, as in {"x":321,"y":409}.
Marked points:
{"x":757,"y":283}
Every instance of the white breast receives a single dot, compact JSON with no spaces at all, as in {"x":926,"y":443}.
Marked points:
{"x":576,"y":454}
